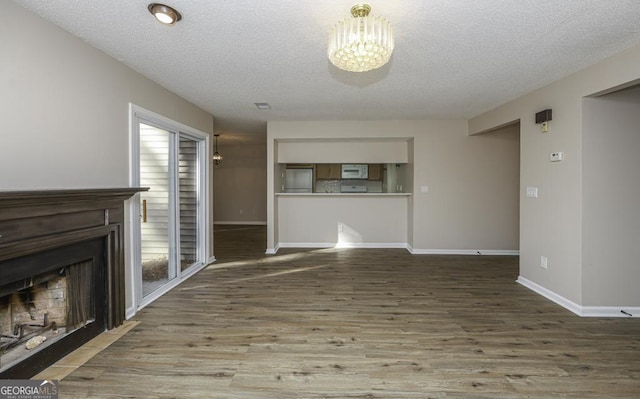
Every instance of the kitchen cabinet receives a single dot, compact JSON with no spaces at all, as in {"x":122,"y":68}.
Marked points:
{"x":328,"y":171}
{"x":299,"y":166}
{"x":376,"y":170}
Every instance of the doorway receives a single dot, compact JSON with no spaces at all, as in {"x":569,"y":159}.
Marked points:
{"x":169,"y":236}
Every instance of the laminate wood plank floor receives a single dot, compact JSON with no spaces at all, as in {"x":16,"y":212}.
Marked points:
{"x":360,"y":323}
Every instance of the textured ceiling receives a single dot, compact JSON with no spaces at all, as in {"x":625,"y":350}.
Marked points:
{"x":452,"y":59}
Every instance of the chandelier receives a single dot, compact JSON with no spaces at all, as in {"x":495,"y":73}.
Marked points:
{"x":361,"y":43}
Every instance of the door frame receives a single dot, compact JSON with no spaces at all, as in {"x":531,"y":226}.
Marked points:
{"x":133,"y":282}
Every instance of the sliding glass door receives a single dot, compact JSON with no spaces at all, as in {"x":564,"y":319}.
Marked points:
{"x":188,"y":200}
{"x":171,"y":239}
{"x":158,"y":253}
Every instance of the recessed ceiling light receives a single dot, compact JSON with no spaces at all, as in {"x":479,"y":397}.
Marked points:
{"x":263,"y":105}
{"x":164,"y":13}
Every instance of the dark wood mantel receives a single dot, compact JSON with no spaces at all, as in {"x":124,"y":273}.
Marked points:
{"x":41,"y":230}
{"x":11,"y":198}
{"x":37,"y":220}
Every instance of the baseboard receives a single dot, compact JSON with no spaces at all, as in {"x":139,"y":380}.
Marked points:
{"x":552,"y":296}
{"x":306,"y":245}
{"x":397,"y":245}
{"x":583,"y":311}
{"x":400,"y":245}
{"x":610,"y":311}
{"x":272,"y":251}
{"x":130,"y":312}
{"x":342,"y":245}
{"x":463,"y":252}
{"x":243,"y":223}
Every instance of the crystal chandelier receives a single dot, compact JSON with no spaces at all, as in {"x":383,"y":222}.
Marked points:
{"x":361,"y":43}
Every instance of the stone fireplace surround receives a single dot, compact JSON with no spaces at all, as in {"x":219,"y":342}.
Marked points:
{"x":45,"y":230}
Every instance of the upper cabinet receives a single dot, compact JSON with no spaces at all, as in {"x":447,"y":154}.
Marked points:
{"x":333,"y":171}
{"x":376,"y":171}
{"x":328,"y":171}
{"x":299,"y":166}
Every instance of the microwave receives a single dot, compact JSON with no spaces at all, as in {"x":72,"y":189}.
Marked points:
{"x":355,"y":171}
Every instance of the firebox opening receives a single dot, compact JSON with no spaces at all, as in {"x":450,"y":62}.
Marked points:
{"x":44,"y":309}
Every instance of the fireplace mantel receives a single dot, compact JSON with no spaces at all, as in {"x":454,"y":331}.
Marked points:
{"x":35,"y":221}
{"x":12,"y":199}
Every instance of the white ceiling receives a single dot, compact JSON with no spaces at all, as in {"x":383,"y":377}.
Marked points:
{"x":452,"y":59}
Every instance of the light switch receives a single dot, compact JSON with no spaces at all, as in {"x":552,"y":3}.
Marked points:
{"x":424,"y":189}
{"x":532,"y":192}
{"x":544,"y":262}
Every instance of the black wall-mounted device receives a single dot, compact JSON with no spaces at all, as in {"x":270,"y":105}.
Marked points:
{"x":543,"y":116}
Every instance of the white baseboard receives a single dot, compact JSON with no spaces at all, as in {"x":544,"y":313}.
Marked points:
{"x":243,"y":223}
{"x":130,"y":312}
{"x":552,"y":296}
{"x":395,"y":245}
{"x":306,"y":245}
{"x":610,"y":311}
{"x":400,"y":245}
{"x":583,"y":311}
{"x":272,"y":251}
{"x":463,"y":252}
{"x":342,"y":245}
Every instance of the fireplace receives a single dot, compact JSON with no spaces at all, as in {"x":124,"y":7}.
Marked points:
{"x":61,"y":273}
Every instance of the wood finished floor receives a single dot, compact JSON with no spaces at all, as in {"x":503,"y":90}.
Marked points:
{"x":355,"y":323}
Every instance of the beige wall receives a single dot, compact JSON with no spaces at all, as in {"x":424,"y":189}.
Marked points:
{"x":472,"y":203}
{"x":611,"y":188}
{"x":240,"y":183}
{"x":552,"y":224}
{"x":343,"y":151}
{"x":324,"y":221}
{"x":472,"y":199}
{"x":65,"y":108}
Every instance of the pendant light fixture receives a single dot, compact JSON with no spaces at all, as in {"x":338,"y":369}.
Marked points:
{"x":361,"y":43}
{"x":217,"y":158}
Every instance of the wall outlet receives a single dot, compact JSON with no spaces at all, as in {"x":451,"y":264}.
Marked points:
{"x":556,"y":156}
{"x":543,"y":262}
{"x":241,"y":211}
{"x":532,"y":192}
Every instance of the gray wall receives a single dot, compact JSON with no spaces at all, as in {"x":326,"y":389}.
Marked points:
{"x":240,"y":182}
{"x":65,"y":109}
{"x":552,"y":224}
{"x":611,"y":188}
{"x":472,"y":202}
{"x":473,"y":182}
